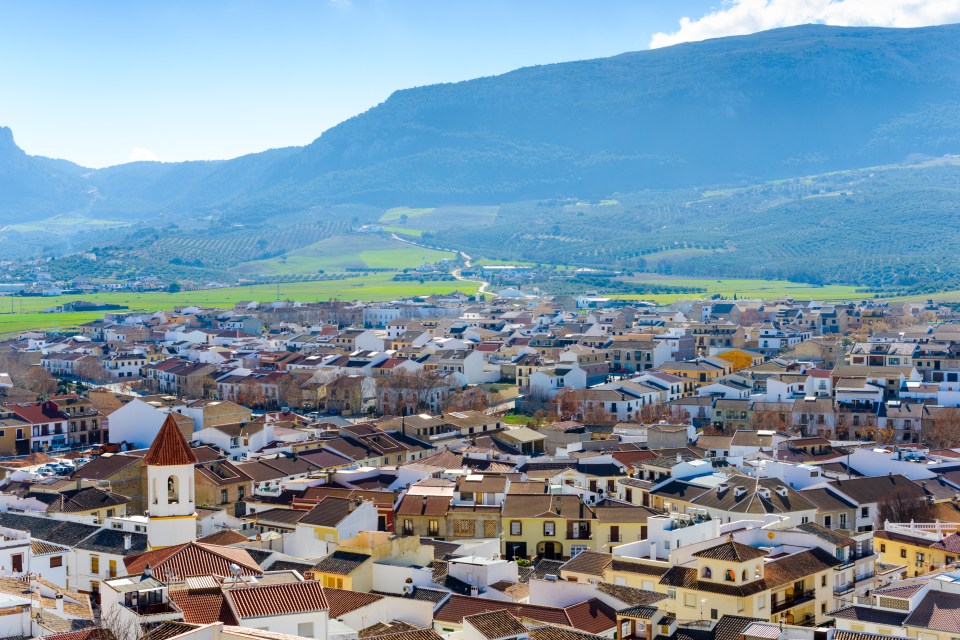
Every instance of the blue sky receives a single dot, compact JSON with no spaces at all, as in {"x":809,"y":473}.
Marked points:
{"x":90,"y":81}
{"x":102,"y":82}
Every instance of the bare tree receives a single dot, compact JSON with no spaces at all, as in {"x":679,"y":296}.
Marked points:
{"x":467,"y":399}
{"x":88,"y":368}
{"x":944,"y":430}
{"x":39,"y":381}
{"x":768,"y":421}
{"x":249,"y":393}
{"x":900,"y":506}
{"x":567,"y":404}
{"x":402,"y":393}
{"x":659,"y":411}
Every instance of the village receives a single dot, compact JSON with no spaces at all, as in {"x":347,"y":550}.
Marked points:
{"x":485,"y":468}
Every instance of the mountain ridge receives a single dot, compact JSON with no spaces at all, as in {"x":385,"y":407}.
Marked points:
{"x":775,"y":104}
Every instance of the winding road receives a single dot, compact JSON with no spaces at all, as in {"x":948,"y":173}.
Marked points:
{"x":456,"y":273}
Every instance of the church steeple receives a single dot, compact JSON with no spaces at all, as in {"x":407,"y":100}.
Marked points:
{"x":170,"y":447}
{"x":171,"y":503}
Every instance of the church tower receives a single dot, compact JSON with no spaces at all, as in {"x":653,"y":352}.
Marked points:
{"x":171,"y":501}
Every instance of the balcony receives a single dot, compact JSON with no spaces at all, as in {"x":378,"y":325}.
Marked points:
{"x":865,"y":576}
{"x":577,"y":534}
{"x":843,"y":589}
{"x":791,"y":601}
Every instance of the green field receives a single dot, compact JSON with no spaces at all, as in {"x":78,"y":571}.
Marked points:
{"x":372,"y":287}
{"x":336,"y":254}
{"x":766,"y":289}
{"x":440,"y":218}
{"x":394,"y":215}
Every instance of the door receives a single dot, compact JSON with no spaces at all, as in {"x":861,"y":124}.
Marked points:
{"x":16,"y":560}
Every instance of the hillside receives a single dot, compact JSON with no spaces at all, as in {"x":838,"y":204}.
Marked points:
{"x":696,"y":154}
{"x":781,"y":103}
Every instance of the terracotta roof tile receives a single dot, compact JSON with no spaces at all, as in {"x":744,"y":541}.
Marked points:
{"x":343,"y":601}
{"x":278,"y":599}
{"x":204,"y":607}
{"x":192,"y":559}
{"x":493,"y":625}
{"x":170,"y":447}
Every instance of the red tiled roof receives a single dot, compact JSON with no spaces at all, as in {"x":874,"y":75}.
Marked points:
{"x":170,"y":447}
{"x":424,"y":506}
{"x":343,"y":601}
{"x":192,"y":559}
{"x":278,"y":599}
{"x":592,"y":616}
{"x":203,"y":608}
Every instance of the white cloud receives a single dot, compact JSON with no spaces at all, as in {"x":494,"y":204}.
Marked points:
{"x":138,"y":154}
{"x":739,"y":17}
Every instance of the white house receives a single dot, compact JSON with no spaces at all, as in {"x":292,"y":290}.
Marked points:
{"x":552,"y":381}
{"x":138,"y":422}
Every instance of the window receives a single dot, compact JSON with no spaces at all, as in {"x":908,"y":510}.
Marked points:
{"x":743,"y":575}
{"x":729,"y":576}
{"x":903,"y":552}
{"x":883,"y":547}
{"x":549,"y":528}
{"x":865,"y":512}
{"x":95,"y":565}
{"x":827,"y":520}
{"x":707,"y":573}
{"x":823,"y":581}
{"x":672,"y":593}
{"x":433,"y":526}
{"x":516,"y":528}
{"x":843,"y":521}
{"x":16,"y":561}
{"x":113,"y":568}
{"x":713,"y":614}
{"x":305,"y":629}
{"x":761,"y":602}
{"x":56,"y":561}
{"x":224,"y":496}
{"x":241,"y":492}
{"x":690,"y":599}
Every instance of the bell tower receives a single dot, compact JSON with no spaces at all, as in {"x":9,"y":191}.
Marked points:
{"x":171,"y":501}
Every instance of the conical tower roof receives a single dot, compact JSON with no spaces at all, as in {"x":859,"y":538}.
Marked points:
{"x":170,"y":448}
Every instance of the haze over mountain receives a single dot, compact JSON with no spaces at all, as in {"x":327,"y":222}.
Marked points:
{"x":782,"y":103}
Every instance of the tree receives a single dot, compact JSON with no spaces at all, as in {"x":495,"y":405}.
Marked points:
{"x":88,"y":368}
{"x":39,"y":381}
{"x":661,"y":412}
{"x":467,"y":399}
{"x":290,"y":390}
{"x":881,"y":435}
{"x":901,"y":506}
{"x":944,"y":430}
{"x":765,"y":420}
{"x":249,"y":393}
{"x":567,"y":404}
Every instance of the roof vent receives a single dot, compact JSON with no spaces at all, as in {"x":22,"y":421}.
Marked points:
{"x":764,"y":492}
{"x":723,"y":486}
{"x":782,"y":491}
{"x":739,"y":491}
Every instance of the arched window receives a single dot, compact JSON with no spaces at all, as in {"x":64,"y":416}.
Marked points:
{"x":173,"y":490}
{"x":728,"y":574}
{"x":707,"y":573}
{"x":156,"y":493}
{"x":744,"y":576}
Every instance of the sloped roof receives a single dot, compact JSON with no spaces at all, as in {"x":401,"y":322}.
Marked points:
{"x":192,"y":559}
{"x":731,"y":551}
{"x":170,"y":448}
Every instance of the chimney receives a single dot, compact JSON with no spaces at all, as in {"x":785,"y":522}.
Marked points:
{"x":59,"y":604}
{"x":127,"y":541}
